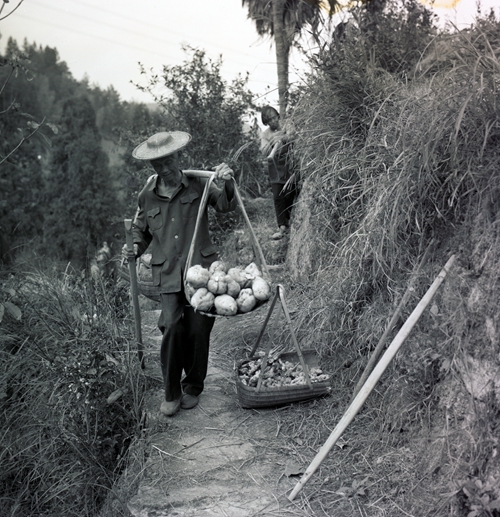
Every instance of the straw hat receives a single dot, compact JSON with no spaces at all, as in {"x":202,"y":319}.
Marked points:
{"x":161,"y":144}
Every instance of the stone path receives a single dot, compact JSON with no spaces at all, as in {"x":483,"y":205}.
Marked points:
{"x":216,"y":459}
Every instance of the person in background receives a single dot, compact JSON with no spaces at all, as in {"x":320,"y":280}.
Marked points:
{"x":168,"y":207}
{"x":276,"y":146}
{"x":101,"y":266}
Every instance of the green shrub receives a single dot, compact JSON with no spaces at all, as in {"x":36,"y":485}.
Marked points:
{"x":200,"y":102}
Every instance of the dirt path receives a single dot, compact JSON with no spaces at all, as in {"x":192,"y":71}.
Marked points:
{"x":216,"y":459}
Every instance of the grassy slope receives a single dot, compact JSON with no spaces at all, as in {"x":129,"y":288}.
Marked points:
{"x":423,"y":166}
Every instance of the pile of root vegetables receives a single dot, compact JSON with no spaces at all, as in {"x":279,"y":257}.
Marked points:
{"x":226,"y":291}
{"x":277,"y":373}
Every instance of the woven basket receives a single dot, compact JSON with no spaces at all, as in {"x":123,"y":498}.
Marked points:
{"x":264,"y":396}
{"x":250,"y":397}
{"x":144,"y":283}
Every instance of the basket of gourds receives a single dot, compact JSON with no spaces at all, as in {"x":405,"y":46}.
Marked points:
{"x":222,"y":289}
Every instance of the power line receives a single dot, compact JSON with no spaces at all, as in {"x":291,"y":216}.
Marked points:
{"x":140,"y":33}
{"x":124,"y":43}
{"x":94,"y":36}
{"x":98,"y":21}
{"x":114,"y":42}
{"x":148,"y":25}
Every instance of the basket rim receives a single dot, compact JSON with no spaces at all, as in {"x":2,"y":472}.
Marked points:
{"x":248,"y":397}
{"x":295,"y":387}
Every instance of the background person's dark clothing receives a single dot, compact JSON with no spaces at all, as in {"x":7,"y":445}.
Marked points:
{"x":280,"y":168}
{"x":283,"y":202}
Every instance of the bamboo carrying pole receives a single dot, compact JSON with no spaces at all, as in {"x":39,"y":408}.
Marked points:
{"x":192,"y":173}
{"x":372,"y":380}
{"x":134,"y":289}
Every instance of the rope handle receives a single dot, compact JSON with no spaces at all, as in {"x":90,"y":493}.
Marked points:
{"x":280,"y":295}
{"x":203,"y":203}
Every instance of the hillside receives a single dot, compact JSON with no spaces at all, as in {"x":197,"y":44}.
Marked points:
{"x":423,"y":443}
{"x":396,"y":140}
{"x":394,"y":168}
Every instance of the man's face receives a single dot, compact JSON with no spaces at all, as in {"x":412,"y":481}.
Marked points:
{"x":168,"y":166}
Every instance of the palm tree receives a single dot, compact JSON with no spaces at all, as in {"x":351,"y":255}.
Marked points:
{"x":284,"y":20}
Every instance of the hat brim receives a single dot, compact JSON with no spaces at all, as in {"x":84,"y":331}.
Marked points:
{"x":178,"y":140}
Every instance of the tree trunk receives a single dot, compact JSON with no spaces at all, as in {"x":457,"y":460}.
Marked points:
{"x":282,"y":50}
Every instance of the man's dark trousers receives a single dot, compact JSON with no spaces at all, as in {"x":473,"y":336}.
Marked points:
{"x":184,"y":347}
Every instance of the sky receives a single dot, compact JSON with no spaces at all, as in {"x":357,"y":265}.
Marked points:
{"x":106,"y":40}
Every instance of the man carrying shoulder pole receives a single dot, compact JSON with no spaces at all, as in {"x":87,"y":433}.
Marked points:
{"x":167,"y":211}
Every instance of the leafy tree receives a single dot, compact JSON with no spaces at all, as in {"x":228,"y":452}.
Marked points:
{"x":139,"y":116}
{"x":80,"y":199}
{"x":200,"y":102}
{"x":34,"y":86}
{"x":24,"y":134}
{"x":47,"y":63}
{"x":110,"y":111}
{"x":285,"y":21}
{"x":395,"y":33}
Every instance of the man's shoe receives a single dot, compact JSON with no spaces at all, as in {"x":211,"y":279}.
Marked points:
{"x":170,"y":408}
{"x":189,"y":401}
{"x":279,"y":235}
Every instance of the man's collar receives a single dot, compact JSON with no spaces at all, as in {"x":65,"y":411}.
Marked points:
{"x":152,"y":181}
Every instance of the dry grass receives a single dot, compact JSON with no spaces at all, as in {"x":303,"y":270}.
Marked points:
{"x":61,"y":440}
{"x":425,"y":163}
{"x":417,"y":160}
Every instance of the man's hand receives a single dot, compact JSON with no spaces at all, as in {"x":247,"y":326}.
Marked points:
{"x":224,"y":171}
{"x":128,"y":254}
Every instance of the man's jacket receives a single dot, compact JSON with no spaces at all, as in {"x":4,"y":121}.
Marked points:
{"x":167,"y":226}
